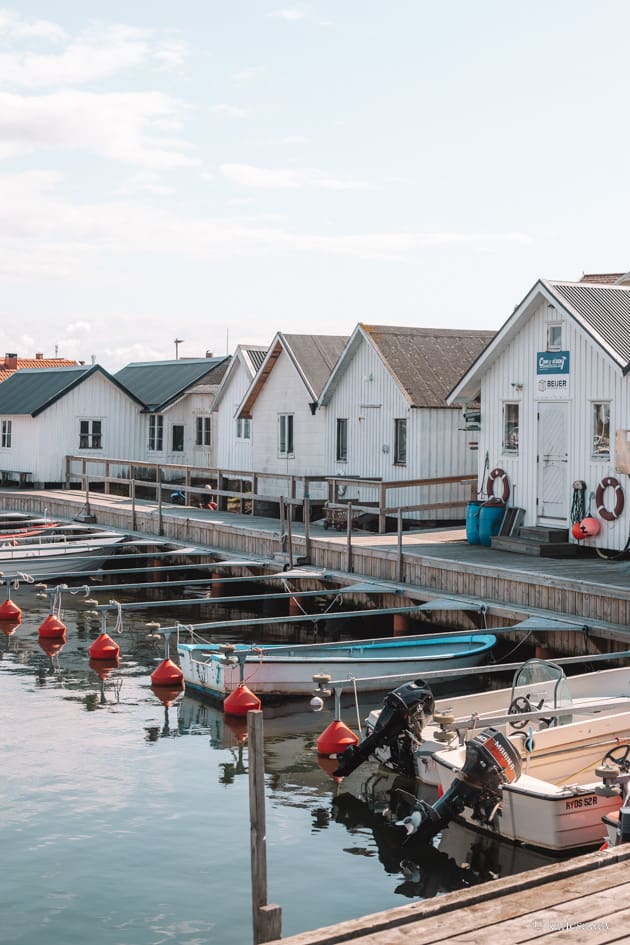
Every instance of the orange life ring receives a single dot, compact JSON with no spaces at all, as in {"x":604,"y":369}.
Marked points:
{"x":609,"y":515}
{"x":501,"y":474}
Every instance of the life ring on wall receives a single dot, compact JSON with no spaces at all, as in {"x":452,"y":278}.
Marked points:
{"x":505,"y":482}
{"x":609,"y":515}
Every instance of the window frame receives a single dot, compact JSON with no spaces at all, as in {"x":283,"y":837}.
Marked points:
{"x":603,"y":437}
{"x":6,"y":434}
{"x":551,"y":328}
{"x":155,"y":442}
{"x":181,"y":434}
{"x":286,"y":442}
{"x":243,"y":428}
{"x":509,"y":436}
{"x":400,"y":441}
{"x":341,"y":441}
{"x":90,"y":434}
{"x":203,"y":430}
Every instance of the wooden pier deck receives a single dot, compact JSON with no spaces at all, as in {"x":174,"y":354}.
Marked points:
{"x":425,"y":565}
{"x":584,"y":901}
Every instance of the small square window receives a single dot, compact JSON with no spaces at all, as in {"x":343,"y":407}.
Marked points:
{"x":554,"y":337}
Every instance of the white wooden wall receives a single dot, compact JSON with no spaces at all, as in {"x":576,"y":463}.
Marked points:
{"x":230,"y":452}
{"x":593,"y":378}
{"x":40,"y":444}
{"x":369,"y":397}
{"x":284,"y":392}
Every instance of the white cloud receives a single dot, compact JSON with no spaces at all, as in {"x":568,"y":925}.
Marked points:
{"x":124,"y":126}
{"x":246,"y":75}
{"x":230,"y":111}
{"x":14,"y":27}
{"x":268,"y":178}
{"x":292,"y":14}
{"x":102,"y":52}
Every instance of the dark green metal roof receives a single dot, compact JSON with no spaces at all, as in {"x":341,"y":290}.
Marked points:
{"x":32,"y":390}
{"x":158,"y":383}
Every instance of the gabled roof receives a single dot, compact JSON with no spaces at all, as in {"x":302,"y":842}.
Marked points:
{"x":250,"y":357}
{"x":601,"y":310}
{"x":313,"y":356}
{"x":425,"y":362}
{"x":157,"y":384}
{"x":21,"y":364}
{"x":30,"y":391}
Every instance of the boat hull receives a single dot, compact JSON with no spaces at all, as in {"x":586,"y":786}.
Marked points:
{"x":39,"y":560}
{"x":285,"y":671}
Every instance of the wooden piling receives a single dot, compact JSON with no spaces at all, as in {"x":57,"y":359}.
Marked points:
{"x":267,"y":918}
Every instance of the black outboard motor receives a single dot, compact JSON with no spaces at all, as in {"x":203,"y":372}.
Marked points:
{"x":404,"y":710}
{"x":491,"y":761}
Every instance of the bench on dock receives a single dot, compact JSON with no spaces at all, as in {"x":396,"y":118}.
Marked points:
{"x":15,"y":477}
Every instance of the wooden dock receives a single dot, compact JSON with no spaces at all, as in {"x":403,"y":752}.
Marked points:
{"x":422,"y":565}
{"x":584,"y":901}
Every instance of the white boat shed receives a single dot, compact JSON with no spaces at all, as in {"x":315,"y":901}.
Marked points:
{"x":551,"y":395}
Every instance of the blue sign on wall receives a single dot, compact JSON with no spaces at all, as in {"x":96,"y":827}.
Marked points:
{"x":552,"y":362}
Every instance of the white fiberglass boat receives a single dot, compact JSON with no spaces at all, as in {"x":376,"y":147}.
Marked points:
{"x":562,"y":747}
{"x":49,"y":554}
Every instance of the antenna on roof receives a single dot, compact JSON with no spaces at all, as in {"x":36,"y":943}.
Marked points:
{"x":177,"y":343}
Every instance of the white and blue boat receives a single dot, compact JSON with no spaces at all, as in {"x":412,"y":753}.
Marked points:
{"x":283,"y":670}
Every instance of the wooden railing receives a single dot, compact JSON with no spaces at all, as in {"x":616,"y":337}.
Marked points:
{"x":90,"y":471}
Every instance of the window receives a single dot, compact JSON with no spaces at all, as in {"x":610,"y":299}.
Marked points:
{"x":342,"y":440}
{"x":243,"y":428}
{"x":156,"y":432}
{"x":400,"y":442}
{"x":90,"y":435}
{"x":7,"y":426}
{"x":178,"y":438}
{"x":601,"y":430}
{"x":510,"y":427}
{"x":203,"y":431}
{"x":554,"y":337}
{"x":285,"y":434}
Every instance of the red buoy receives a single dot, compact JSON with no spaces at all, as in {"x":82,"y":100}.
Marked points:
{"x":104,"y":648}
{"x":576,"y":531}
{"x":335,"y":739}
{"x":9,"y":627}
{"x":167,"y":674}
{"x":52,"y":646}
{"x":52,"y":628}
{"x":103,"y":667}
{"x":241,"y":701}
{"x":10,"y":611}
{"x":168,"y":694}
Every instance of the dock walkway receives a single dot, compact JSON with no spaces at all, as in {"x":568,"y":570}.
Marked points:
{"x":584,"y":901}
{"x":426,"y":564}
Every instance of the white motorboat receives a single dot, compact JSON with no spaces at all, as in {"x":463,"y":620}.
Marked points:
{"x":282,"y":670}
{"x":49,"y":554}
{"x":561,"y":747}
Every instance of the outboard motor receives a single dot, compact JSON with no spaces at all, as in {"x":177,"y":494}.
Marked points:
{"x":491,"y":761}
{"x":404,"y":710}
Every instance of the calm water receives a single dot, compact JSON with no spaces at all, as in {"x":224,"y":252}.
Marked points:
{"x":125,"y":822}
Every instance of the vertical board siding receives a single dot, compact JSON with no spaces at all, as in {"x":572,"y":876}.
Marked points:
{"x":593,"y":377}
{"x":230,"y":452}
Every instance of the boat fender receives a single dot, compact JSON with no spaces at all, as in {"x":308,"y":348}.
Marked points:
{"x":529,"y":742}
{"x":502,"y":476}
{"x":609,"y":482}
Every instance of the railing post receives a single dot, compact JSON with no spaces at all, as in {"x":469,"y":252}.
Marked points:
{"x":290,"y":533}
{"x":306,"y":514}
{"x":158,"y":481}
{"x":349,"y":538}
{"x":401,"y":575}
{"x":382,"y":504}
{"x":107,"y":471}
{"x":132,"y":493}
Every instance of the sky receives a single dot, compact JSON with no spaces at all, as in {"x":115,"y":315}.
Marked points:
{"x":215,"y":172}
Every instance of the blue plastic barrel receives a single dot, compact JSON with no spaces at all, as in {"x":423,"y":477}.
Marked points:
{"x":490,"y":516}
{"x":472,"y":522}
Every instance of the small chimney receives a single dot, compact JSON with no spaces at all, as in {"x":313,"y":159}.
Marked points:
{"x":39,"y":355}
{"x":10,"y":361}
{"x":209,"y":354}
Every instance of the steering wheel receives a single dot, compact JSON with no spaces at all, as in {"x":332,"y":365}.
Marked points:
{"x":619,"y":755}
{"x":517,"y":706}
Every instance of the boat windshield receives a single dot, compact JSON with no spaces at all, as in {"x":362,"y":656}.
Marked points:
{"x":542,"y":684}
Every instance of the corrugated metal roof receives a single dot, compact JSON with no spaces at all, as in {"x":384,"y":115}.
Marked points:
{"x":256,"y":355}
{"x":316,"y":356}
{"x":604,"y":309}
{"x":158,"y":383}
{"x":31,"y":390}
{"x":427,"y":362}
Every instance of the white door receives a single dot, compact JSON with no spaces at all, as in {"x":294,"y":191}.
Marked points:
{"x":553,"y":463}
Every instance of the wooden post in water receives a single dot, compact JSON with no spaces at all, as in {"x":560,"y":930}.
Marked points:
{"x":307,"y":528}
{"x":267,"y":919}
